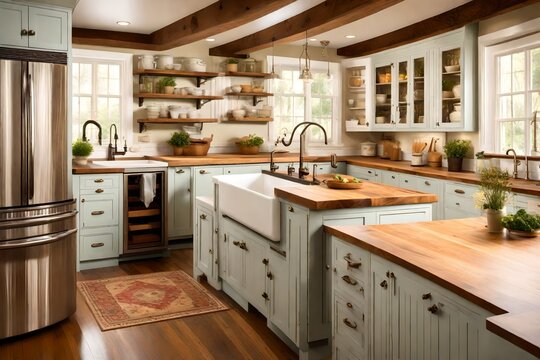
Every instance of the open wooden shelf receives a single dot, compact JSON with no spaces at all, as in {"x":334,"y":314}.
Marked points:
{"x":147,"y":226}
{"x":143,"y":122}
{"x":247,"y":74}
{"x":250,"y":119}
{"x":142,"y":213}
{"x":178,"y":73}
{"x":201,"y":100}
{"x":255,"y":95}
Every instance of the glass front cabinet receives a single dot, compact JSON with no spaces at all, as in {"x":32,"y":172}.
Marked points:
{"x":356,"y":95}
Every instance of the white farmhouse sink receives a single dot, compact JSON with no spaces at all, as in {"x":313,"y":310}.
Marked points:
{"x":130,"y":164}
{"x":250,"y":200}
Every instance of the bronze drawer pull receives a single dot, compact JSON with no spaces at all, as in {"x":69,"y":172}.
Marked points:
{"x":98,"y":180}
{"x":290,"y":208}
{"x":349,"y":305}
{"x":99,"y":191}
{"x":426,"y":296}
{"x":459,"y":191}
{"x":31,"y":33}
{"x":348,"y":280}
{"x":24,"y":32}
{"x":270,"y":275}
{"x":384,"y":284}
{"x":243,"y":246}
{"x":265,"y":296}
{"x":407,"y":181}
{"x":96,"y":245}
{"x":180,"y":171}
{"x":97,"y":212}
{"x":350,"y":262}
{"x":265,"y":261}
{"x":427,"y":183}
{"x":433,"y":309}
{"x":236,"y":243}
{"x":203,"y":216}
{"x":202,"y":172}
{"x":349,"y":323}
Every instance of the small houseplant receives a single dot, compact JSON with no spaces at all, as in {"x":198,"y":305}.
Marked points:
{"x":166,"y":85}
{"x":250,"y":145}
{"x":81,"y":150}
{"x":494,"y":192}
{"x":179,"y":140}
{"x":522,"y":224}
{"x":232,"y":64}
{"x":455,"y":151}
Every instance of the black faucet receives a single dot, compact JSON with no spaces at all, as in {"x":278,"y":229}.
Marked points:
{"x":273,"y":166}
{"x":112,"y":151}
{"x":88,"y":122}
{"x":303,"y":171}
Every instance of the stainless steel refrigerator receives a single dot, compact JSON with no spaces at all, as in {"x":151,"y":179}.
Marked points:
{"x":37,"y":212}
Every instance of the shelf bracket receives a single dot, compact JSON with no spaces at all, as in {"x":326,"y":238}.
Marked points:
{"x":256,"y":100}
{"x":141,"y":101}
{"x":201,"y":102}
{"x":142,"y":127}
{"x":201,"y":80}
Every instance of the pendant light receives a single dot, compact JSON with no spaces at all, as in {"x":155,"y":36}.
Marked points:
{"x":305,"y":72}
{"x":325,"y":44}
{"x":273,"y":74}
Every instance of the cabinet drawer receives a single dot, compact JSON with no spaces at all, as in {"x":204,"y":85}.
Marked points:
{"x":344,"y":349}
{"x":350,"y":286}
{"x":533,"y":206}
{"x":98,"y":210}
{"x":349,"y":323}
{"x":407,"y":181}
{"x":94,"y":182}
{"x":462,"y":190}
{"x":99,"y":243}
{"x":390,"y":178}
{"x":351,"y":259}
{"x":363,"y":173}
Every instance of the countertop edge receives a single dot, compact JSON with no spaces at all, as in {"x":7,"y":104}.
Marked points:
{"x":496,"y":324}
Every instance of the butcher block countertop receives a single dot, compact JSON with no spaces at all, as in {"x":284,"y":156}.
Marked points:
{"x":320,"y":197}
{"x":234,"y":159}
{"x":493,"y":271}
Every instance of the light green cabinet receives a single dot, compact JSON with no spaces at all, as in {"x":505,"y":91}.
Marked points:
{"x":364,"y":173}
{"x":205,"y":235}
{"x":180,"y":222}
{"x":34,"y":27}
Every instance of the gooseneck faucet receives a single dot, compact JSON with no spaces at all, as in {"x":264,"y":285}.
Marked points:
{"x":303,"y":171}
{"x":516,"y":162}
{"x":112,"y":151}
{"x":93,"y":122}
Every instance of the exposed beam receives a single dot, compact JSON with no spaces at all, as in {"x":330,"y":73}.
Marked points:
{"x":216,"y":18}
{"x":470,"y":12}
{"x":321,"y":18}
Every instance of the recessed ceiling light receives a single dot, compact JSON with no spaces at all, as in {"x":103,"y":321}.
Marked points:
{"x":210,"y":39}
{"x":123,"y":23}
{"x":312,"y":39}
{"x":350,"y":36}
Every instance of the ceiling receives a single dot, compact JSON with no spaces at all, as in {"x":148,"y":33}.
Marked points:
{"x":147,"y":16}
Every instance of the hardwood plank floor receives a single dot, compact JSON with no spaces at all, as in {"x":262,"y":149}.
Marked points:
{"x":232,"y":334}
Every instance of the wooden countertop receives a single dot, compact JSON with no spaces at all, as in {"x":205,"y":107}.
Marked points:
{"x":320,"y":197}
{"x":94,"y":169}
{"x":234,"y":159}
{"x":499,"y":274}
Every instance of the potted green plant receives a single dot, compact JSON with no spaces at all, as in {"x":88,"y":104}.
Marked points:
{"x":494,"y":192}
{"x":81,"y":150}
{"x":250,"y":145}
{"x":232,"y":64}
{"x":166,"y":85}
{"x":179,"y":140}
{"x":455,"y":151}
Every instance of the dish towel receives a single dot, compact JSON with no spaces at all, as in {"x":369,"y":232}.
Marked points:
{"x":148,"y":188}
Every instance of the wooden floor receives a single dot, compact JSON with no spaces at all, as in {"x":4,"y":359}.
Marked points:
{"x":232,"y":334}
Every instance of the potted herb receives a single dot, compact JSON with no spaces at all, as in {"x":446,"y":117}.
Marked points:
{"x":250,"y":145}
{"x":179,"y":140}
{"x":494,"y":192}
{"x":522,"y":224}
{"x":232,"y":64}
{"x":481,"y":161}
{"x":166,"y":85}
{"x":455,"y":151}
{"x":81,"y":150}
{"x":447,"y":86}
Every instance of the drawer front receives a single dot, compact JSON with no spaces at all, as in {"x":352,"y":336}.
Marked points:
{"x":98,"y":244}
{"x":390,"y":178}
{"x":363,"y":173}
{"x":344,"y":349}
{"x":350,"y":286}
{"x":533,"y":206}
{"x":98,"y":210}
{"x":98,"y":181}
{"x":460,"y":203}
{"x":349,"y":323}
{"x":463,"y":190}
{"x":245,"y":169}
{"x":407,"y":181}
{"x":351,"y":259}
{"x":428,"y":185}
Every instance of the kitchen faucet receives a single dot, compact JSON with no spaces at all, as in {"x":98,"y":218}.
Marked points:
{"x":516,"y":162}
{"x":88,"y":122}
{"x":273,"y":166}
{"x":303,"y":171}
{"x":112,"y":151}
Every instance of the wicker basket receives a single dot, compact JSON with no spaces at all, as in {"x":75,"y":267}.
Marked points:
{"x":198,"y":147}
{"x":249,"y":150}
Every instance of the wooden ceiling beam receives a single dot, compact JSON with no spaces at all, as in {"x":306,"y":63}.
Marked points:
{"x":470,"y":12}
{"x":220,"y":16}
{"x":320,"y":18}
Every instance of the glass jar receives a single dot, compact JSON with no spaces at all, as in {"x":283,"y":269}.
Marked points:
{"x":250,"y":65}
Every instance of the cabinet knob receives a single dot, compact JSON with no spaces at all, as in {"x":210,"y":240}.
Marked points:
{"x":459,"y":191}
{"x":97,"y":212}
{"x":369,"y":172}
{"x":367,"y":124}
{"x":348,"y":280}
{"x":433,"y":309}
{"x":180,"y":171}
{"x":349,"y":323}
{"x":96,"y":245}
{"x":407,"y":181}
{"x":426,"y":296}
{"x":31,"y":33}
{"x":349,"y":305}
{"x":99,"y":191}
{"x":216,"y":230}
{"x":270,"y":275}
{"x":384,"y":284}
{"x":24,"y":32}
{"x":290,"y":208}
{"x":427,"y":183}
{"x":209,"y":251}
{"x":457,"y":204}
{"x":393,"y":177}
{"x":437,"y":124}
{"x":236,"y":243}
{"x":203,"y":216}
{"x":243,"y":246}
{"x":265,"y":295}
{"x":265,"y":261}
{"x":202,"y":172}
{"x":82,"y":200}
{"x":351,"y":263}
{"x":98,"y":180}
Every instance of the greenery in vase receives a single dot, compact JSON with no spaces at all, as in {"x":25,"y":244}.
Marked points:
{"x":448,"y":85}
{"x":81,"y":148}
{"x":457,"y":148}
{"x":251,"y":140}
{"x":166,"y":81}
{"x":179,"y":139}
{"x":480,"y":155}
{"x":521,"y":221}
{"x":232,"y":61}
{"x":494,"y":188}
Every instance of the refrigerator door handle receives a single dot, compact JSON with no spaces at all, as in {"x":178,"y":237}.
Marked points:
{"x":37,"y":220}
{"x":39,"y":240}
{"x":31,"y":137}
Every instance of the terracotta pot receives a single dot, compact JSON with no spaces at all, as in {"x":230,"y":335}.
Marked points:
{"x":455,"y":164}
{"x":249,"y":150}
{"x":168,"y":89}
{"x":494,"y":221}
{"x":232,"y":67}
{"x":177,"y":151}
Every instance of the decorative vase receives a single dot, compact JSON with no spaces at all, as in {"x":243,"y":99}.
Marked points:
{"x":494,"y":224}
{"x":177,"y":150}
{"x":249,"y":150}
{"x":168,"y":89}
{"x":232,"y":67}
{"x":80,"y":160}
{"x":455,"y":164}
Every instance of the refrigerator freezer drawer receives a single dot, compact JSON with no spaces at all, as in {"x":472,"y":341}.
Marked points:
{"x":37,"y":282}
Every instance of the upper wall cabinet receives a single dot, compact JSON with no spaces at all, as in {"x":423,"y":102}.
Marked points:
{"x":34,"y":27}
{"x":356,"y":94}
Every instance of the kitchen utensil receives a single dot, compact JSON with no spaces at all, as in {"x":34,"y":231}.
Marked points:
{"x":434,"y":158}
{"x":164,"y":62}
{"x":455,"y":116}
{"x":193,"y":64}
{"x":196,"y":91}
{"x":250,"y":65}
{"x":368,"y":148}
{"x":193,"y":114}
{"x":418,"y":159}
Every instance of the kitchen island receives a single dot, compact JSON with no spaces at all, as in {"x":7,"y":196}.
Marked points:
{"x":440,"y":275}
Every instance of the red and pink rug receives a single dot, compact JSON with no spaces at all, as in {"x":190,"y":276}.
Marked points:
{"x":140,"y":299}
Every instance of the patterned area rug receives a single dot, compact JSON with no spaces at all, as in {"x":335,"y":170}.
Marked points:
{"x":140,"y":299}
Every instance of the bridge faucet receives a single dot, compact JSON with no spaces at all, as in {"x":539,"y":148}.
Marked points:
{"x":112,"y":151}
{"x":516,"y":162}
{"x":93,"y":122}
{"x":303,"y":171}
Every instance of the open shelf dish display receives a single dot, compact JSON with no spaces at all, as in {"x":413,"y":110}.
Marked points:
{"x":451,"y":86}
{"x":250,"y":119}
{"x":256,"y":95}
{"x":247,"y":74}
{"x":143,"y":122}
{"x":356,"y":97}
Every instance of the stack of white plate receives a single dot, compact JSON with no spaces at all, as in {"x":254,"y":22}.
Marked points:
{"x":152,"y":111}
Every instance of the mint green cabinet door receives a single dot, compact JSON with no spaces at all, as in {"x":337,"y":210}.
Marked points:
{"x":179,"y":202}
{"x":14,"y":19}
{"x":50,"y":29}
{"x":380,"y":311}
{"x":203,"y":184}
{"x":235,"y":266}
{"x":280,"y":310}
{"x":205,"y":236}
{"x":256,"y":274}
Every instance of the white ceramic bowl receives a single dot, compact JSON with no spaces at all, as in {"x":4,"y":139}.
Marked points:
{"x":236,"y":88}
{"x":457,"y":107}
{"x":164,"y":62}
{"x":380,"y":120}
{"x":177,"y":67}
{"x":380,"y":98}
{"x":451,"y":68}
{"x":238,"y":114}
{"x":175,"y":113}
{"x":455,"y":116}
{"x":197,"y":91}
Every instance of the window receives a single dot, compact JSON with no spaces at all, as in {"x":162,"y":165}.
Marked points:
{"x":99,"y":92}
